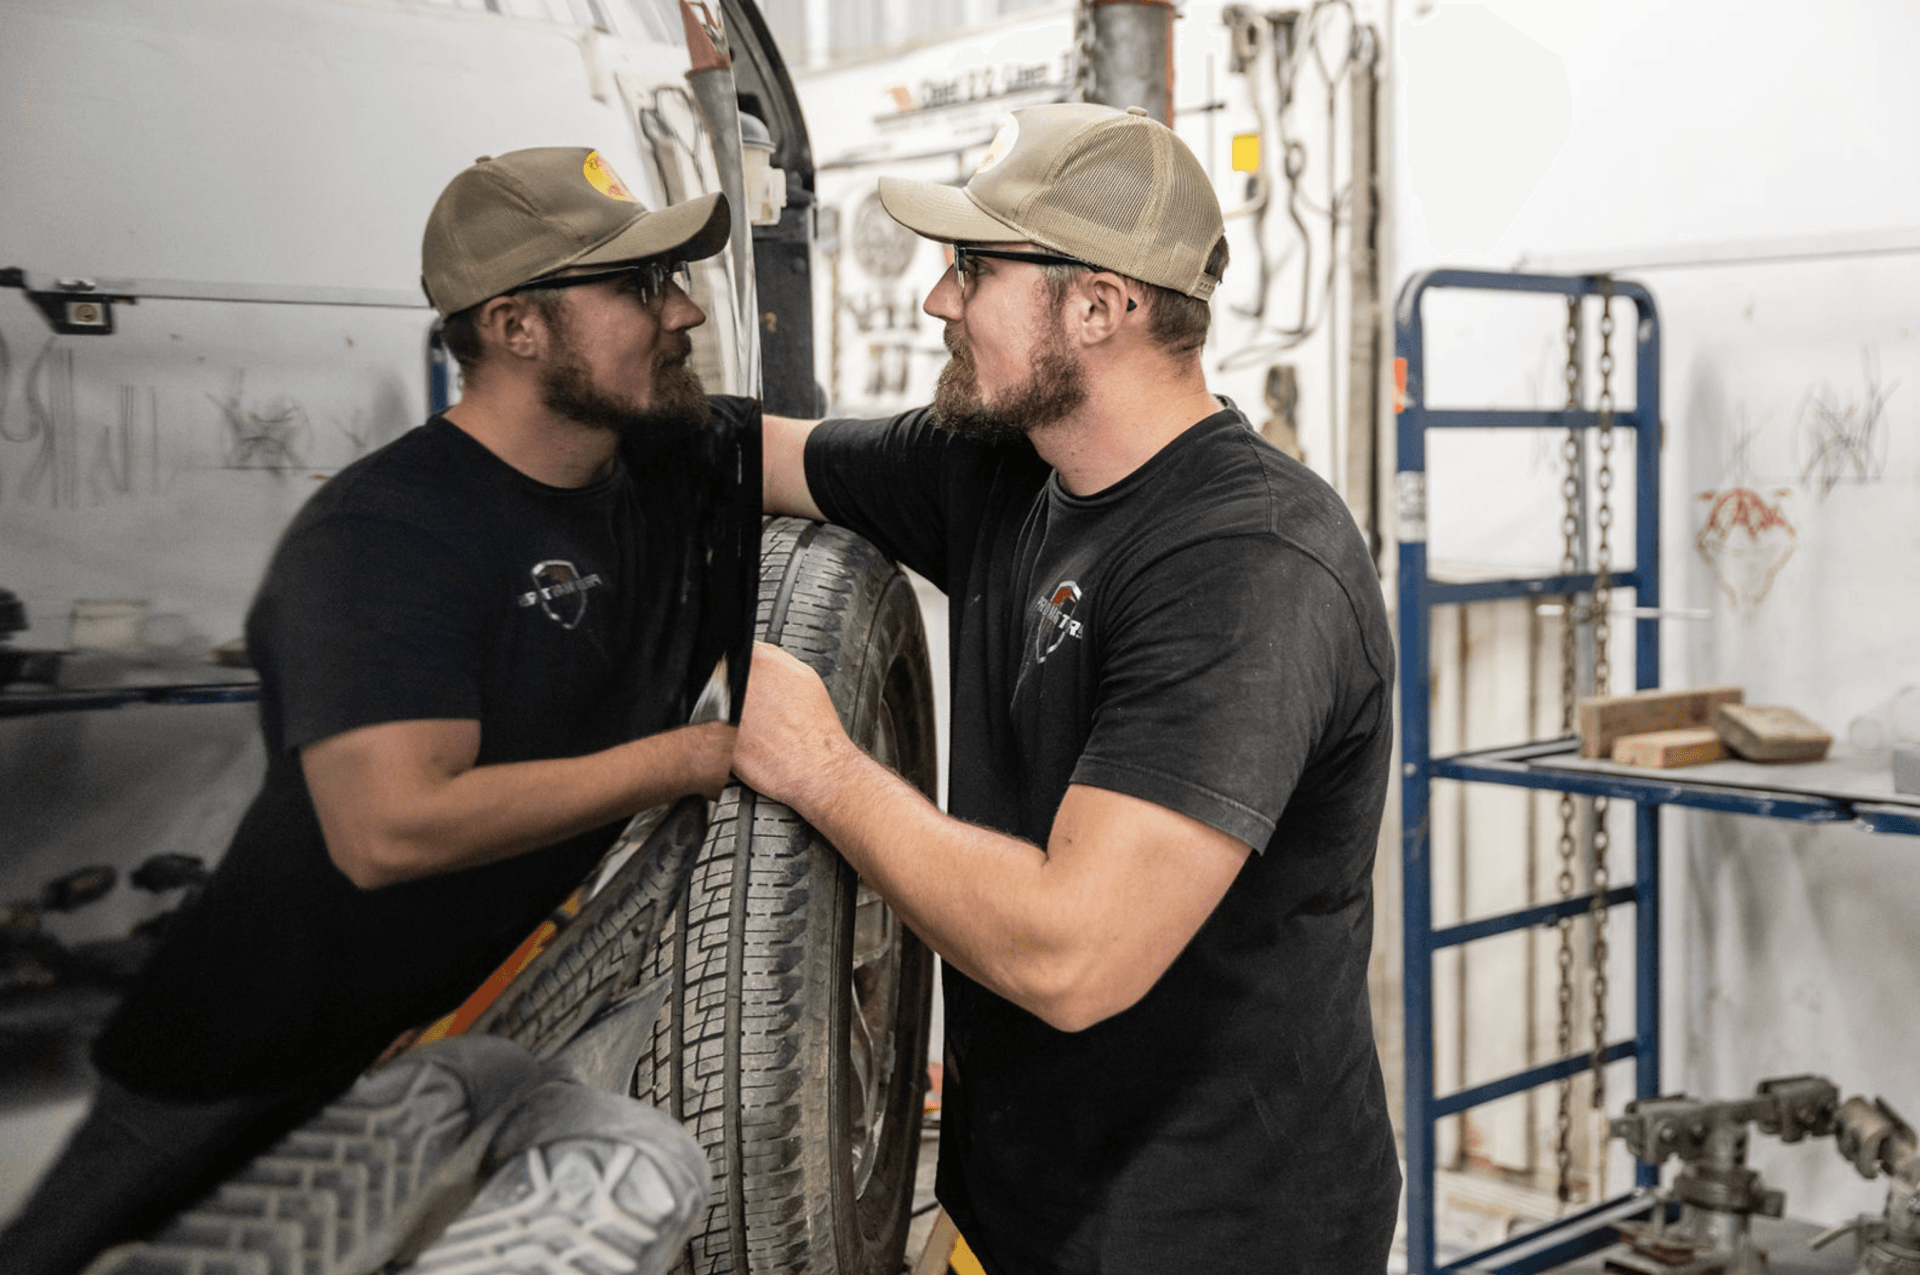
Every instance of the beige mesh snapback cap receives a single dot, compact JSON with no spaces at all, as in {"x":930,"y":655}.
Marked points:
{"x":1117,"y":189}
{"x":528,"y":213}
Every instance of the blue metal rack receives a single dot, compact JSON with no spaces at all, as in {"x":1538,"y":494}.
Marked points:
{"x":1545,"y":765}
{"x":1418,"y":595}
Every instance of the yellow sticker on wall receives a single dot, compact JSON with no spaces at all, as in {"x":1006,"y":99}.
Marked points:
{"x":605,"y":180}
{"x":1246,"y":152}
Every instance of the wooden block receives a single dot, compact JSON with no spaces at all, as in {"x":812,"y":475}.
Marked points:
{"x":1770,"y":732}
{"x":1603,"y":719}
{"x":1664,"y":749}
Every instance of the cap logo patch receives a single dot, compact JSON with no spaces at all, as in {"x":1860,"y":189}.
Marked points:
{"x":1002,"y":143}
{"x":605,"y":180}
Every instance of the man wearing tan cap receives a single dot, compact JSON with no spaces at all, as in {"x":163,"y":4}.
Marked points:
{"x":1170,"y":735}
{"x":478,"y":649}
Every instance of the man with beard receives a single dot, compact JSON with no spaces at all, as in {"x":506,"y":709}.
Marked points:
{"x":478,"y":649}
{"x":1171,"y":726}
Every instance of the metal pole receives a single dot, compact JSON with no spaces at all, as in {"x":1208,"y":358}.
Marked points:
{"x":1360,"y":479}
{"x":1416,"y":886}
{"x":1133,"y":55}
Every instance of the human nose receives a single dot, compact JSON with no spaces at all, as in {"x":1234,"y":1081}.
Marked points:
{"x":946,"y":301}
{"x":678,"y":311}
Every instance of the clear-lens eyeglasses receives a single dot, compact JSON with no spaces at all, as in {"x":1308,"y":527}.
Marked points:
{"x":648,"y":280}
{"x":965,"y":255}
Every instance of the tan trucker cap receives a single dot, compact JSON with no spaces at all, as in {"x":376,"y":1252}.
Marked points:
{"x":1117,"y":189}
{"x":528,"y":213}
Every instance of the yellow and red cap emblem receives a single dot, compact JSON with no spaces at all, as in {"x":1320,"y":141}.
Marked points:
{"x":601,"y":176}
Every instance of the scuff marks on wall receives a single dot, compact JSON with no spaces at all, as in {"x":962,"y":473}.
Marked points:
{"x":1746,"y":539}
{"x":122,"y":458}
{"x":127,"y":446}
{"x":50,"y":428}
{"x":1838,"y":437}
{"x":1844,"y":439}
{"x":267,"y":435}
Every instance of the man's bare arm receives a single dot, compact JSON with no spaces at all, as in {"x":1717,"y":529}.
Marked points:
{"x":1074,"y":933}
{"x":400,"y":800}
{"x":783,"y":467}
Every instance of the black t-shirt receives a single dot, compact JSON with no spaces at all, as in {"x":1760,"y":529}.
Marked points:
{"x":1207,"y":634}
{"x":427,"y":580}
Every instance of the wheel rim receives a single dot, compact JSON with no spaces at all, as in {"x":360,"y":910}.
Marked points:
{"x":875,"y":980}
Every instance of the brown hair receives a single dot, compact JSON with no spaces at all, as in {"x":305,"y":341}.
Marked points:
{"x":1177,"y":322}
{"x":460,"y":331}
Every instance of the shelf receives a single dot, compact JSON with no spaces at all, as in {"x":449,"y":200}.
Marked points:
{"x":92,"y":680}
{"x":21,"y":703}
{"x":1847,"y":787}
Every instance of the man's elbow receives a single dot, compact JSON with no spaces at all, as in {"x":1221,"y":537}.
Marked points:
{"x":1073,"y":999}
{"x":372,"y":862}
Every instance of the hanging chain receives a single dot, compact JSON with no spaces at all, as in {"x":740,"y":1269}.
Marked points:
{"x":1599,"y":611}
{"x":1083,"y":85}
{"x":1569,"y":693}
{"x":1602,"y":677}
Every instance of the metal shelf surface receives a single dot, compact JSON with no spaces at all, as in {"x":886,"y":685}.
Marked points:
{"x":35,"y":703}
{"x":1831,"y":791}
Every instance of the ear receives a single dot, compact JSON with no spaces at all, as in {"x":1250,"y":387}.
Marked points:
{"x":1101,"y":306}
{"x":514,"y":326}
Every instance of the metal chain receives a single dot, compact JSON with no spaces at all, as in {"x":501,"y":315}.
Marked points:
{"x":1083,"y":85}
{"x":1602,"y":677}
{"x":1569,"y":692}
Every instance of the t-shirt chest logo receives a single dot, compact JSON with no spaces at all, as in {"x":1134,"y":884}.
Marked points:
{"x":1056,"y":620}
{"x":560,"y":591}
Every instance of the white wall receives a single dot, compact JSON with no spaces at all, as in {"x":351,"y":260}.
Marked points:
{"x":1748,"y":163}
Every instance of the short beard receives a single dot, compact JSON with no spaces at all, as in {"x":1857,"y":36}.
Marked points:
{"x":677,"y":409}
{"x":1055,"y":388}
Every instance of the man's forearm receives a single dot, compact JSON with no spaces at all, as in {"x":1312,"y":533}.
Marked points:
{"x":407,"y":802}
{"x":977,"y":897}
{"x":783,"y":461}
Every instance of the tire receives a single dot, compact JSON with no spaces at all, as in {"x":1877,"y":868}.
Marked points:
{"x":794,"y":1042}
{"x":600,"y":957}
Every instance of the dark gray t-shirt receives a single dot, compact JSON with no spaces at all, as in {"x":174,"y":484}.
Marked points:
{"x":1207,"y":634}
{"x":427,"y":580}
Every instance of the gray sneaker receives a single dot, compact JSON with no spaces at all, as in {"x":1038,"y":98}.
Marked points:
{"x":588,"y":1181}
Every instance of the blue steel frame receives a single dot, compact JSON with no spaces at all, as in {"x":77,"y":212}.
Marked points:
{"x":1418,"y":595}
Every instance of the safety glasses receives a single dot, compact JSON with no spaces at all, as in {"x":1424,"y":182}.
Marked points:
{"x":648,"y":280}
{"x":966,"y":268}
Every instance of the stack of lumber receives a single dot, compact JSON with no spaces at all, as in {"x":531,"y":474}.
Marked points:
{"x":1668,"y":728}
